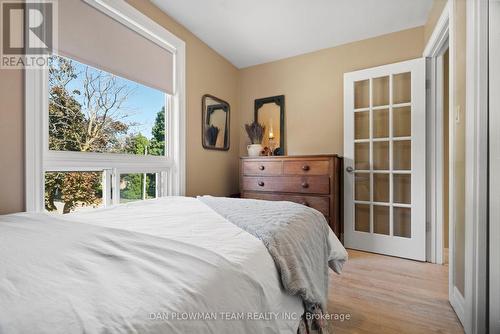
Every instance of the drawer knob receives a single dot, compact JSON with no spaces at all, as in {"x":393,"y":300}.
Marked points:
{"x":261,"y":183}
{"x":261,"y":167}
{"x":305,"y":185}
{"x":305,"y":168}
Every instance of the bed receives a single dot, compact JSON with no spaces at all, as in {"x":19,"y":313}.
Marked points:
{"x":170,"y":265}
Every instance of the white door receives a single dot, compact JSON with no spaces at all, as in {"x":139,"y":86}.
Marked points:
{"x":384,"y":159}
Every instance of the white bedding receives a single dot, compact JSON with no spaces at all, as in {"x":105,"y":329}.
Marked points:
{"x":156,"y":259}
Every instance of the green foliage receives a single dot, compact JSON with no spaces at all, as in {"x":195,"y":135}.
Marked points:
{"x":70,"y":129}
{"x":157,"y":146}
{"x":151,"y":185}
{"x":136,"y":144}
{"x":53,"y":186}
{"x":72,"y":188}
{"x":83,"y":187}
{"x":66,"y":121}
{"x":158,"y":130}
{"x":133,"y":186}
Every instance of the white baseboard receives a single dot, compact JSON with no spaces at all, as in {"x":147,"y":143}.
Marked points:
{"x":457,"y":301}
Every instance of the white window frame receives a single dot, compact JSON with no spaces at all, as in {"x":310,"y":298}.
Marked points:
{"x":39,"y":159}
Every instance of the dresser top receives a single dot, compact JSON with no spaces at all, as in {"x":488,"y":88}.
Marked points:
{"x":293,"y":156}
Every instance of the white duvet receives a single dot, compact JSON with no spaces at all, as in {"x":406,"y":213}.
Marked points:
{"x":146,"y":267}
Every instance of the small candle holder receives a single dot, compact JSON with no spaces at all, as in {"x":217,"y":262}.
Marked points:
{"x":272,"y":145}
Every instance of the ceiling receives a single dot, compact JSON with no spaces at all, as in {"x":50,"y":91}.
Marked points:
{"x":250,"y":32}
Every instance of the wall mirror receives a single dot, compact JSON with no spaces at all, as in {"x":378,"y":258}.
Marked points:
{"x":215,"y":127}
{"x":270,"y":111}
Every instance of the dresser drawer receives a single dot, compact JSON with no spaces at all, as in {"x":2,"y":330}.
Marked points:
{"x":261,"y":167}
{"x":305,"y":167}
{"x":291,"y":184}
{"x":322,"y":204}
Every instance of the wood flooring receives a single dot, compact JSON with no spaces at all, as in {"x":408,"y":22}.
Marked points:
{"x":384,"y":294}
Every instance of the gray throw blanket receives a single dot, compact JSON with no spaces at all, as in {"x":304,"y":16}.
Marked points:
{"x":296,"y":237}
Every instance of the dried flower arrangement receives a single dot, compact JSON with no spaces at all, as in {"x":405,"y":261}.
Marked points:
{"x":255,"y":132}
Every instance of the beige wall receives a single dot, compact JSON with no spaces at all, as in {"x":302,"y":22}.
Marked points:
{"x":446,"y":148}
{"x":460,"y":126}
{"x":313,"y":88}
{"x":435,"y":13}
{"x":208,"y":172}
{"x":12,"y":141}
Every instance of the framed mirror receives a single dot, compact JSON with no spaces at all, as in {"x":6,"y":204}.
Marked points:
{"x":270,"y":111}
{"x":215,"y":123}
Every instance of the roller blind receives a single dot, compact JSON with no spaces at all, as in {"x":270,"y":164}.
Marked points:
{"x":92,"y":37}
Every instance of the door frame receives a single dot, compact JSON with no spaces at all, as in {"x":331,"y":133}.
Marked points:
{"x":444,"y":31}
{"x":435,"y":142}
{"x":442,"y":37}
{"x":494,"y":181}
{"x":472,"y":308}
{"x":476,"y":169}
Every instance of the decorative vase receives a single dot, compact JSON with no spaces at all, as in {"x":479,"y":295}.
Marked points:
{"x":254,"y":150}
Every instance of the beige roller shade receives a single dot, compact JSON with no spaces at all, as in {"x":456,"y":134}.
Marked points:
{"x":93,"y":38}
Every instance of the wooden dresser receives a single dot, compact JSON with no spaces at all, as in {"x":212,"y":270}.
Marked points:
{"x":314,"y":181}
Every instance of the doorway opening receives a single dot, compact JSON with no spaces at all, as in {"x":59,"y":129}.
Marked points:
{"x":439,"y":170}
{"x":446,"y":155}
{"x":445,"y":147}
{"x":438,"y":154}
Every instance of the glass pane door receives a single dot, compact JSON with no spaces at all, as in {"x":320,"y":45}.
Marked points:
{"x":382,"y":156}
{"x":384,"y":148}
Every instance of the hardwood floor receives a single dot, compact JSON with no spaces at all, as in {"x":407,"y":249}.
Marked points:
{"x":388,"y":295}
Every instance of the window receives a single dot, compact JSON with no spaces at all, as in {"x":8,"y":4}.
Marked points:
{"x":91,"y":110}
{"x":98,"y":137}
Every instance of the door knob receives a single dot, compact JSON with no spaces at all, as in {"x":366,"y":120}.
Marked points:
{"x":349,"y":169}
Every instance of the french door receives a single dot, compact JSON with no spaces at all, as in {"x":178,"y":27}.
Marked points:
{"x":384,"y":159}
